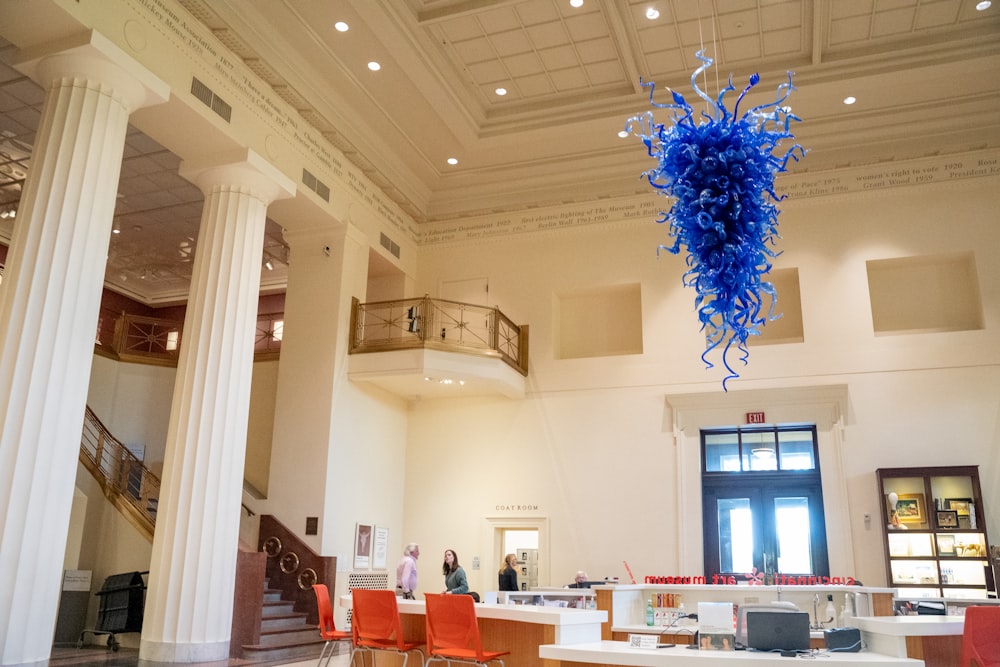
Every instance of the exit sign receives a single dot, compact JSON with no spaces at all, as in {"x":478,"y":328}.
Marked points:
{"x":755,"y":418}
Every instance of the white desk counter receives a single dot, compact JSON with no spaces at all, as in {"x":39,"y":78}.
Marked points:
{"x":619,"y":653}
{"x":937,"y":640}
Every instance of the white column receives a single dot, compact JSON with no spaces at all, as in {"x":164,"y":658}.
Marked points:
{"x":49,"y":304}
{"x":189,"y":600}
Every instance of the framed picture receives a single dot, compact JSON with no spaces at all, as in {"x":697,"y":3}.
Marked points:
{"x":946,"y":545}
{"x":947,"y":518}
{"x":960,"y":505}
{"x":362,"y":546}
{"x":381,"y":546}
{"x":910,"y":508}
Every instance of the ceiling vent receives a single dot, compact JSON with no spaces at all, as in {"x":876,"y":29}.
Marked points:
{"x":211,"y":100}
{"x":316,"y":185}
{"x":389,"y":245}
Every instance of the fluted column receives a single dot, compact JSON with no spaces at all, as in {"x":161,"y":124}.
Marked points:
{"x":49,"y":305}
{"x":189,"y":600}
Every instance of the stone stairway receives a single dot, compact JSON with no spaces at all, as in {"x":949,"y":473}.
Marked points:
{"x":284,"y":632}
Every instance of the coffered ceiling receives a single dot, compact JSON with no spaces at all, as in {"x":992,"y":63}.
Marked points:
{"x":926,"y":75}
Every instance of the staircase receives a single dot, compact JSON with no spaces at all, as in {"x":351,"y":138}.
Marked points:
{"x":284,"y":632}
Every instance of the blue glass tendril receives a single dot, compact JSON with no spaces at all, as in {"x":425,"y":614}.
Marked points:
{"x":720,"y":172}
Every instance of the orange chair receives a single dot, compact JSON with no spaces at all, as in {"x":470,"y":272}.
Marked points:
{"x":375,"y":625}
{"x":327,"y":629}
{"x":453,"y":631}
{"x":981,"y":637}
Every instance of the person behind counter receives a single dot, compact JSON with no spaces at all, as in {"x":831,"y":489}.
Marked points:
{"x":454,"y":574}
{"x":580,"y":581}
{"x":508,"y":573}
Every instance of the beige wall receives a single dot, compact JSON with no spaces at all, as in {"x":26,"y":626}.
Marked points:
{"x":592,"y":446}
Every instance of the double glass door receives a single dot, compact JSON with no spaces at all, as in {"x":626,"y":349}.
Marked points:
{"x":764,"y":526}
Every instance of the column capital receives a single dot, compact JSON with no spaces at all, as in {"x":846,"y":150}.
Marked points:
{"x":95,"y":57}
{"x":242,"y":167}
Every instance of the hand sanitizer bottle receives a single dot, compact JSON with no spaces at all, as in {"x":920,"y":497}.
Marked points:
{"x":831,"y":613}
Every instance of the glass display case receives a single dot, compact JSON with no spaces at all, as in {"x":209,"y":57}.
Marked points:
{"x":935,"y":532}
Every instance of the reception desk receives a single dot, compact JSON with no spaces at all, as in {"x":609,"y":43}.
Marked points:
{"x":937,"y":640}
{"x":520,"y":629}
{"x":615,"y":653}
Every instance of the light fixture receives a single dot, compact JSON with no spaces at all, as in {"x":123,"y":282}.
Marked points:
{"x":374,"y":66}
{"x":8,"y":211}
{"x":850,"y":99}
{"x":341,"y":26}
{"x":576,"y":3}
{"x":623,"y":133}
{"x":983,"y":5}
{"x":500,"y":91}
{"x":652,"y":13}
{"x":268,"y":265}
{"x":452,"y":160}
{"x":116,"y":228}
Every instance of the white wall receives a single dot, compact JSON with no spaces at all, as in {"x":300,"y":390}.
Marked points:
{"x":592,"y":446}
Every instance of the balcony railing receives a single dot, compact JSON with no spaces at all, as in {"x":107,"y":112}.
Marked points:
{"x":438,"y":324}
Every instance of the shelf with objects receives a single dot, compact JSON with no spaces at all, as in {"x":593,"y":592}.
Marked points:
{"x":571,"y":598}
{"x":936,"y":544}
{"x":675,"y":606}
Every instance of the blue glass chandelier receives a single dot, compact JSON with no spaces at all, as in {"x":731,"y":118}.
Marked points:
{"x":720,"y":173}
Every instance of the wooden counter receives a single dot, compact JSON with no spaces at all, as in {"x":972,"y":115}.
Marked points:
{"x":520,"y":629}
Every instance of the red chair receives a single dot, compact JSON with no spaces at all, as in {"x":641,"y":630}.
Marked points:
{"x":327,"y":629}
{"x":453,"y":631}
{"x":981,"y":637}
{"x":376,"y":627}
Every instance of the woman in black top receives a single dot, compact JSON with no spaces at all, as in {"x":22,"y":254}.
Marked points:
{"x":508,"y":573}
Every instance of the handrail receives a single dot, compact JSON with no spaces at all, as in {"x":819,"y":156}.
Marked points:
{"x":123,"y":477}
{"x":440,"y":324}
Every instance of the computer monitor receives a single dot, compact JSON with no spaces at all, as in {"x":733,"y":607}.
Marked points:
{"x":741,"y":617}
{"x":778,"y":631}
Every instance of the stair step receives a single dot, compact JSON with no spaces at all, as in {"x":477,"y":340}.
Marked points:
{"x":281,"y":608}
{"x":302,"y":634}
{"x":293,"y":620}
{"x":301,"y":651}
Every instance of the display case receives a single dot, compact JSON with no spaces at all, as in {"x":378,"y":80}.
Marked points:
{"x":935,"y":532}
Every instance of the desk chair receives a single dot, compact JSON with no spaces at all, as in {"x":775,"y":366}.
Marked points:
{"x":375,"y":625}
{"x":453,"y":631}
{"x":327,"y":629}
{"x":981,"y":637}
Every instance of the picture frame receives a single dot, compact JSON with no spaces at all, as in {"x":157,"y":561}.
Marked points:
{"x":381,"y":547}
{"x":946,"y":545}
{"x":910,"y":508}
{"x":947,"y":518}
{"x":960,"y":505}
{"x":362,"y":546}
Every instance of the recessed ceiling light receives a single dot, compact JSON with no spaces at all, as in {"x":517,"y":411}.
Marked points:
{"x":623,"y":133}
{"x":850,"y":99}
{"x":576,"y":3}
{"x":452,"y":160}
{"x":500,"y":91}
{"x":374,"y":66}
{"x":983,"y":6}
{"x":652,"y":13}
{"x":341,"y":26}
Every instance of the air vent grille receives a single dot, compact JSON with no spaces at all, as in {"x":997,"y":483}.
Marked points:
{"x":316,"y":185}
{"x":389,"y":245}
{"x":211,"y":100}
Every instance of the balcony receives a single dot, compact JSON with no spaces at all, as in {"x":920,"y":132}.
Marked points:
{"x":435,"y":348}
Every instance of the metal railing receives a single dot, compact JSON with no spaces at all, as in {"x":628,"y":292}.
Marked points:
{"x":441,"y":324}
{"x":126,"y":482}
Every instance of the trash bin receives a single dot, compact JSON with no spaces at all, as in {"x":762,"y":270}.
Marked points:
{"x":122,"y":598}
